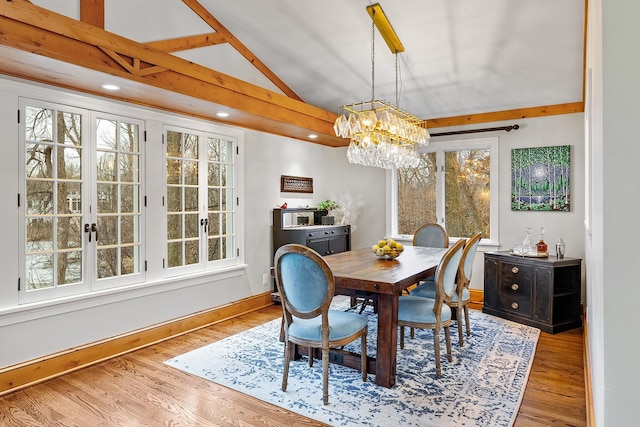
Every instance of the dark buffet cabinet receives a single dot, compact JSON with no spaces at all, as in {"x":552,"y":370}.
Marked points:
{"x":324,"y":239}
{"x":540,"y":292}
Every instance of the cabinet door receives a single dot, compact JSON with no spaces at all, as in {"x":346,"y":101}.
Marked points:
{"x":490,"y":282}
{"x":337,"y":244}
{"x":319,"y":245}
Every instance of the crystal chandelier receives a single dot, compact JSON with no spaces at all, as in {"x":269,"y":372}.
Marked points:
{"x":381,"y":134}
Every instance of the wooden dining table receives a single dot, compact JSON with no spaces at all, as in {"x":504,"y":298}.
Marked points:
{"x":360,"y":274}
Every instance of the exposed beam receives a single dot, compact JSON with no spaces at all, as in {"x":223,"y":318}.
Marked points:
{"x":189,"y":42}
{"x":499,"y":116}
{"x":241,"y":48}
{"x":92,"y":12}
{"x":36,"y":30}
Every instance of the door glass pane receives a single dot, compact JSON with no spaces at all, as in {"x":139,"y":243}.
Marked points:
{"x":467,"y":191}
{"x":417,"y":194}
{"x":53,"y":205}
{"x":183,"y":230}
{"x":118,"y":197}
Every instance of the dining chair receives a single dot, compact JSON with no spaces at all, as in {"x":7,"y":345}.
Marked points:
{"x":431,"y":235}
{"x":306,"y":286}
{"x":462,"y":296}
{"x":434,"y":313}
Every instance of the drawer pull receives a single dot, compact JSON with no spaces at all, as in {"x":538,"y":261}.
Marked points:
{"x":515,"y":287}
{"x":514,"y":305}
{"x":515,"y":269}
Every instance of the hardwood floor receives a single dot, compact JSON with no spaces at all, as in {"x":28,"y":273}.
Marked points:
{"x":137,"y":389}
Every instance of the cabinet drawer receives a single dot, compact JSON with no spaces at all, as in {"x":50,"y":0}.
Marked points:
{"x":329,"y":232}
{"x":515,"y":288}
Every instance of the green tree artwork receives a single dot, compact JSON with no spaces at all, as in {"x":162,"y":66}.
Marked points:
{"x":540,"y":179}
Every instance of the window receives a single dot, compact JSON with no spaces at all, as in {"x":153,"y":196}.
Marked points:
{"x":453,"y":186}
{"x":201,"y":194}
{"x":82,"y":215}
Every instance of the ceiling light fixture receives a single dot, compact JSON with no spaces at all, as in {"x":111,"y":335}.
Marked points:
{"x":110,"y":87}
{"x":222,"y":114}
{"x":381,"y":134}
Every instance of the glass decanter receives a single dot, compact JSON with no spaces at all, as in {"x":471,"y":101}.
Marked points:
{"x":526,"y":244}
{"x":541,"y":247}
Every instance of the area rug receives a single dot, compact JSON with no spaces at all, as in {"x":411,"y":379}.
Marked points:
{"x":482,"y":386}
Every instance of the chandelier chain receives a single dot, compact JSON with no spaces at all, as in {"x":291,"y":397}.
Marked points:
{"x":373,"y":61}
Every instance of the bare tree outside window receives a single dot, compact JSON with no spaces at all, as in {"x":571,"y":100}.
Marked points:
{"x":465,"y":201}
{"x":53,"y":159}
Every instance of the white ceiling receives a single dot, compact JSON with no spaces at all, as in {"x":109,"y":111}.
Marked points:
{"x":461,"y":56}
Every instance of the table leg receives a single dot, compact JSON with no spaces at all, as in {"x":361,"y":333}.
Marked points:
{"x":387,"y":340}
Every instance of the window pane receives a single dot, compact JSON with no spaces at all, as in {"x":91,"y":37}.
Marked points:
{"x":69,"y":267}
{"x":129,"y":168}
{"x":175,"y":254}
{"x":39,"y":271}
{"x":69,"y":163}
{"x":39,"y":124}
{"x":107,"y":230}
{"x":107,"y":198}
{"x":39,"y":197}
{"x":174,"y":227}
{"x":129,"y":260}
{"x":106,"y":166}
{"x":69,"y":231}
{"x":107,"y":262}
{"x":417,"y":194}
{"x":129,"y":137}
{"x":467,"y":191}
{"x":192,"y":252}
{"x":106,"y":135}
{"x":38,"y":160}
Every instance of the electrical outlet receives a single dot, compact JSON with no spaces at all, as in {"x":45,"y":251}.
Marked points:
{"x":265,"y":278}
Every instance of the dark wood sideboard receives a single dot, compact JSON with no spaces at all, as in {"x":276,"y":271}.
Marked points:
{"x":324,"y":239}
{"x":540,"y":292}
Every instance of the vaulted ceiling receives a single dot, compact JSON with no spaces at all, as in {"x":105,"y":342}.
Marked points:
{"x":286,"y":66}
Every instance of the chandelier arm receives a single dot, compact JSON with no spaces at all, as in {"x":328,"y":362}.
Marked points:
{"x":397,"y":98}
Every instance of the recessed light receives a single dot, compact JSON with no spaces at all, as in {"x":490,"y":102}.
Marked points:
{"x":222,"y":114}
{"x":313,"y":136}
{"x":110,"y":87}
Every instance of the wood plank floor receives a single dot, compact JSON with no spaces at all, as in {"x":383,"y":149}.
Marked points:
{"x":137,"y":389}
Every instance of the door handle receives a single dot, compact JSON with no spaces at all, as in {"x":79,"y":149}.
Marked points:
{"x":87,"y":230}
{"x":94,"y":228}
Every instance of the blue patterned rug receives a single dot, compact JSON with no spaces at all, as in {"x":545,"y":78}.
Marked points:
{"x":483,"y":386}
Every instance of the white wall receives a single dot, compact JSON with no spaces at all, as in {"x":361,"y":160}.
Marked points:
{"x":613,"y":107}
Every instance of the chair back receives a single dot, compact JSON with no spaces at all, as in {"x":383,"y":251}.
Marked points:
{"x":305,"y":282}
{"x":466,"y":263}
{"x":445,"y":278}
{"x":432,"y":236}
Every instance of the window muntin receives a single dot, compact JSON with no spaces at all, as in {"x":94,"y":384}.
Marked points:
{"x":452,"y":186}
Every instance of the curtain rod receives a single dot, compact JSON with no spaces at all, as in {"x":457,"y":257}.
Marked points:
{"x":460,"y":132}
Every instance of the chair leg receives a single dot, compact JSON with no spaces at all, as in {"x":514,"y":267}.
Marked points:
{"x":363,"y":356}
{"x":447,"y":337}
{"x":310,"y":355}
{"x":401,"y":337}
{"x":325,"y":376}
{"x":466,"y":319}
{"x":412,"y":334}
{"x":436,"y":348}
{"x":287,"y":359}
{"x":459,"y":322}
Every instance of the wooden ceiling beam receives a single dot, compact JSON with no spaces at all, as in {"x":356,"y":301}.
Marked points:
{"x":241,"y":48}
{"x":189,"y":42}
{"x":498,"y":116}
{"x":33,"y":29}
{"x":92,"y":12}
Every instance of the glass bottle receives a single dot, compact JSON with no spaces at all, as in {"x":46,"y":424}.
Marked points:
{"x":526,"y":244}
{"x":541,"y":247}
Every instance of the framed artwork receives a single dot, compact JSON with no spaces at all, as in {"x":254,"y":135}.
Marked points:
{"x":296,"y":184}
{"x":541,"y":179}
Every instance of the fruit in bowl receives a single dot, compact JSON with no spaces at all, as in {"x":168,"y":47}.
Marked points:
{"x":387,"y":249}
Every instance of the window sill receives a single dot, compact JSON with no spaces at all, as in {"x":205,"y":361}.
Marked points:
{"x":36,"y":310}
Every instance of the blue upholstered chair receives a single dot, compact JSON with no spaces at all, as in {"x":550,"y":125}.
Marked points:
{"x":462,"y":296}
{"x":428,"y":313}
{"x":306,"y":287}
{"x":431,"y":235}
